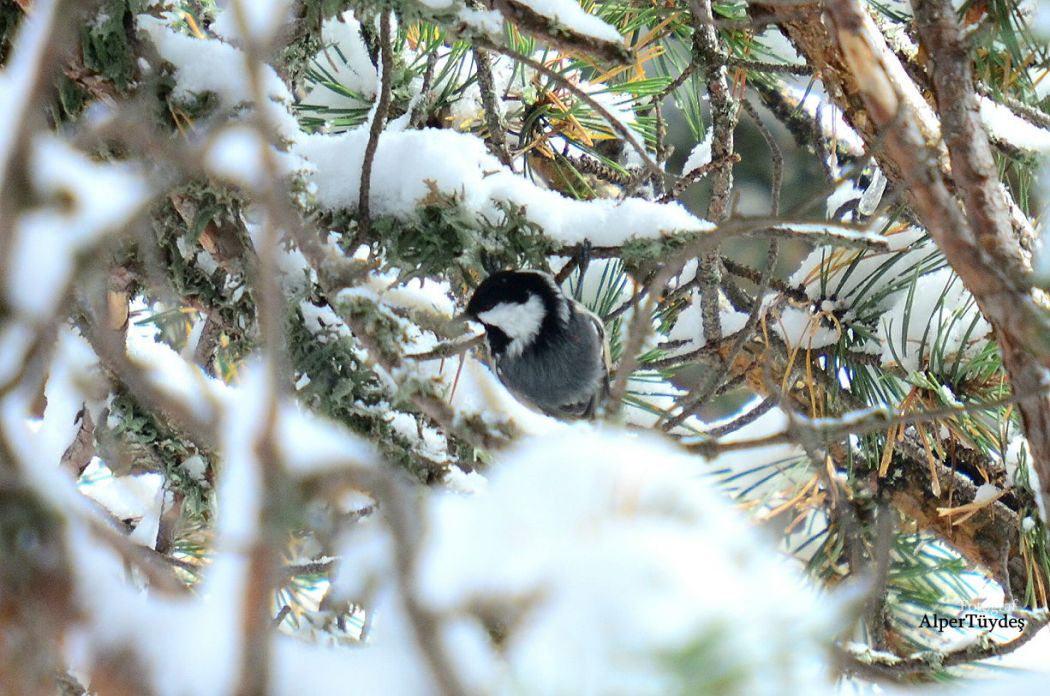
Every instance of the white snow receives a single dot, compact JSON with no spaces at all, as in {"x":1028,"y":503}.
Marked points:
{"x":176,"y":378}
{"x":1017,"y":454}
{"x":602,"y":548}
{"x":354,"y":70}
{"x":943,"y":319}
{"x":458,"y":164}
{"x":419,"y":294}
{"x":488,"y":22}
{"x":309,"y":444}
{"x":86,"y":199}
{"x":468,"y":108}
{"x":137,"y":498}
{"x":689,"y":327}
{"x":211,"y":65}
{"x":805,"y":329}
{"x":833,"y":125}
{"x":1041,"y":20}
{"x":19,"y":76}
{"x":832,"y":233}
{"x":1041,"y":254}
{"x":195,"y":467}
{"x":262,"y":17}
{"x":569,"y":14}
{"x":16,"y":339}
{"x":985,"y":492}
{"x":700,"y":155}
{"x":235,"y":154}
{"x":1003,"y":124}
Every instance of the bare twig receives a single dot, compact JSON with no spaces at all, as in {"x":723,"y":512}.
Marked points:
{"x":774,"y":152}
{"x":621,"y":130}
{"x":449,"y":348}
{"x":709,"y":52}
{"x":763,"y":66}
{"x":872,"y":420}
{"x":692,"y":176}
{"x":696,"y":398}
{"x":420,"y":111}
{"x":744,"y":419}
{"x":496,"y":139}
{"x":901,"y":669}
{"x":386,"y":51}
{"x":547,"y":30}
{"x":1028,"y":113}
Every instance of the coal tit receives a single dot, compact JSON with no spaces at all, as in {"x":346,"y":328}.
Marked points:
{"x":549,"y":350}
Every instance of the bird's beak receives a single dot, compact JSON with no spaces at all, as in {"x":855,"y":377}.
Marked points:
{"x":462,"y":323}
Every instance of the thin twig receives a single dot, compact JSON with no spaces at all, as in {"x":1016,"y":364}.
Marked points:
{"x":386,"y":50}
{"x":421,"y":108}
{"x":744,"y":419}
{"x":871,"y":420}
{"x":448,"y":349}
{"x":901,"y":669}
{"x":623,"y":131}
{"x":774,"y":152}
{"x":695,"y":399}
{"x":1029,"y":113}
{"x":797,"y":293}
{"x":693,"y":175}
{"x":678,"y":81}
{"x":490,"y":105}
{"x":763,"y":66}
{"x":709,"y":52}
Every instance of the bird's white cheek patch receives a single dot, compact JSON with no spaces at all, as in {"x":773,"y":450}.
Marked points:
{"x":520,"y":321}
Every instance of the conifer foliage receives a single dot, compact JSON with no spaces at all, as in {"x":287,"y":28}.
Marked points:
{"x":245,"y":447}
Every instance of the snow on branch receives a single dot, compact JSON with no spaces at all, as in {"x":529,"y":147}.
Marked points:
{"x":247,"y":447}
{"x":411,"y":167}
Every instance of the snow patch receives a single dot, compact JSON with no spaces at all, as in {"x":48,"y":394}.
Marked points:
{"x":458,"y":164}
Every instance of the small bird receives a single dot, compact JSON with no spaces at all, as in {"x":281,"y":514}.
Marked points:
{"x":550,"y":351}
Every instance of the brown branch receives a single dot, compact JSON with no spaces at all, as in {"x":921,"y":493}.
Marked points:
{"x":674,"y":84}
{"x":901,"y":669}
{"x":764,"y":66}
{"x":263,"y":554}
{"x":989,"y":260}
{"x":80,"y":452}
{"x":448,"y":349}
{"x":420,"y":111}
{"x":490,"y":105}
{"x":775,"y":153}
{"x":709,"y":52}
{"x":697,"y":398}
{"x":41,"y":47}
{"x":565,"y":38}
{"x":386,"y":52}
{"x":693,"y":175}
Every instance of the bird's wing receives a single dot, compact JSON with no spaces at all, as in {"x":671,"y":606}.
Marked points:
{"x":606,"y":357}
{"x":587,"y":409}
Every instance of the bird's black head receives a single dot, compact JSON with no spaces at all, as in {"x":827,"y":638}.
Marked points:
{"x":511,"y":287}
{"x":517,"y":308}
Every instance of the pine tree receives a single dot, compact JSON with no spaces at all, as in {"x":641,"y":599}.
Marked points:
{"x":245,"y":448}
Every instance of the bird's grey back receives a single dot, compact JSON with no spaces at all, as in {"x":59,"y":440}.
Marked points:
{"x":555,"y":382}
